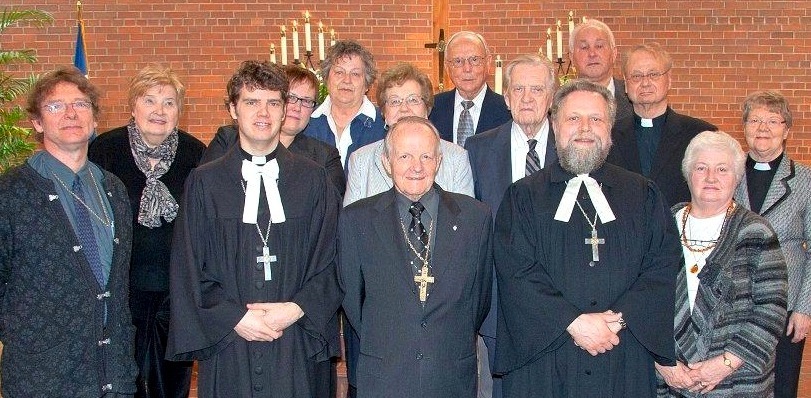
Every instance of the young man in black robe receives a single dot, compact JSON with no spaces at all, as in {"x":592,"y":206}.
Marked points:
{"x":586,"y":257}
{"x":253,"y":279}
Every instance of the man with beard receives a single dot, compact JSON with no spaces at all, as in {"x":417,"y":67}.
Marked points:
{"x":586,"y":258}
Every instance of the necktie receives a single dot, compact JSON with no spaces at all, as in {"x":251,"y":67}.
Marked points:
{"x":465,"y":129}
{"x":84,"y":230}
{"x":533,"y":162}
{"x":417,"y":229}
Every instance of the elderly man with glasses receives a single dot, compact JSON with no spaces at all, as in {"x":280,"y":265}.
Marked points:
{"x":652,"y":140}
{"x":471,"y":107}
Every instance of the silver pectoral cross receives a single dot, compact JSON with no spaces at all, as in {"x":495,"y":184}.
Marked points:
{"x":594,"y":241}
{"x":265,"y":259}
{"x":423,"y":279}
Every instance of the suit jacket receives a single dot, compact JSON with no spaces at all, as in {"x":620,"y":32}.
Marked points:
{"x":52,"y":310}
{"x":494,"y":113}
{"x":624,"y":106}
{"x":740,"y":307}
{"x":787,"y":207}
{"x":363,"y":131}
{"x":491,"y":161}
{"x":368,"y":177}
{"x":407,"y":349}
{"x":326,"y":156}
{"x":666,"y":169}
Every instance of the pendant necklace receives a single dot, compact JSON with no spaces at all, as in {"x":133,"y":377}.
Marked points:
{"x":701,"y":246}
{"x":593,"y":240}
{"x":265,"y":259}
{"x":424,"y":277}
{"x":106,"y":221}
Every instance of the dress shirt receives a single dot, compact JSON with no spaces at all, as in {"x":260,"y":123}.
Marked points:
{"x":519,"y":148}
{"x":475,"y":110}
{"x":343,"y":143}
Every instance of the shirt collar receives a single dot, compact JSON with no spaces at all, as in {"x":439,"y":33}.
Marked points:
{"x":367,"y":108}
{"x":612,"y":87}
{"x":540,"y":135}
{"x":478,"y":100}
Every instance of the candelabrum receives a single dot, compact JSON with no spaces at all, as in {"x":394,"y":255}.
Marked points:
{"x":307,"y":62}
{"x":565,"y":70}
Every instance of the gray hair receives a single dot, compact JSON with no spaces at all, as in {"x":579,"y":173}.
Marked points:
{"x":716,"y":140}
{"x":347,"y":48}
{"x":773,"y":101}
{"x":466,"y":34}
{"x":592,"y":24}
{"x":532,"y":60}
{"x":653,"y":48}
{"x":401,"y":124}
{"x":584,"y":85}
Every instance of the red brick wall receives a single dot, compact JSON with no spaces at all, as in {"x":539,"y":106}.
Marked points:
{"x":722,"y":49}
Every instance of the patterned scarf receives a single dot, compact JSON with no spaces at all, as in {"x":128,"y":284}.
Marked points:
{"x":156,"y":200}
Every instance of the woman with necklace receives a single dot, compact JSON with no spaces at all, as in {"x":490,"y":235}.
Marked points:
{"x":777,"y":188}
{"x":153,"y":158}
{"x":731,"y":292}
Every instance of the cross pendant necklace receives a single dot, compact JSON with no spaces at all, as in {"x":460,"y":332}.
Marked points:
{"x":266,"y":258}
{"x":594,"y":240}
{"x":423,"y":279}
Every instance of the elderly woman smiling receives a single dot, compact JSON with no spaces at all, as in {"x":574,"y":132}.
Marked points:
{"x":731,"y":294}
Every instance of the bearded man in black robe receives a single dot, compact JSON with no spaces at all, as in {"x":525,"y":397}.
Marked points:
{"x":586,"y":257}
{"x":254,"y":285}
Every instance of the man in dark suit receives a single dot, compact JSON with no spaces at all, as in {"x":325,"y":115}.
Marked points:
{"x":301,"y":100}
{"x":593,"y":51}
{"x":471,"y":107}
{"x":416,"y":266}
{"x":652,"y":140}
{"x":518,"y":148}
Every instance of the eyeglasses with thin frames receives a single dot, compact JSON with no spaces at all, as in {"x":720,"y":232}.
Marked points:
{"x":653,"y":76}
{"x":58,"y":107}
{"x":411,"y":100}
{"x":773,"y":123}
{"x":474,"y":60}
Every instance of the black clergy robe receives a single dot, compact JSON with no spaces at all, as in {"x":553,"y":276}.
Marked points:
{"x":546,"y":279}
{"x":214,"y":274}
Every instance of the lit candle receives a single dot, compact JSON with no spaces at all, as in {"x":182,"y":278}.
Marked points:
{"x":320,"y":41}
{"x":499,"y":74}
{"x":571,"y":22}
{"x":295,"y":40}
{"x":583,"y":20}
{"x":549,"y":43}
{"x":332,"y":37}
{"x":560,"y":42}
{"x":284,"y":45}
{"x":272,"y":53}
{"x":308,"y":37}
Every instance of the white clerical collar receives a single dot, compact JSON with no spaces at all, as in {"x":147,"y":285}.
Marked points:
{"x":596,"y":195}
{"x":367,"y":108}
{"x":762,"y":166}
{"x":478,"y":100}
{"x":645,"y":122}
{"x":266,"y":175}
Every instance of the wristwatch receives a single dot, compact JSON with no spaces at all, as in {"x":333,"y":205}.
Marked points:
{"x":727,"y":361}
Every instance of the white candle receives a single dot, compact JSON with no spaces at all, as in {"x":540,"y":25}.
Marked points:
{"x":560,"y":42}
{"x":284,"y":45}
{"x":499,"y":74}
{"x":332,"y":37}
{"x":549,"y":43}
{"x":571,"y":22}
{"x":295,"y":40}
{"x":321,"y":41}
{"x":583,"y":20}
{"x":308,"y":37}
{"x":272,"y":53}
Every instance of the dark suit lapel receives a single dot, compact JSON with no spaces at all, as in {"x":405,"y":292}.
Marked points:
{"x":672,"y":137}
{"x":779,"y":188}
{"x":392,"y":241}
{"x":625,"y":145}
{"x":502,"y":164}
{"x":447,"y":251}
{"x":551,"y":151}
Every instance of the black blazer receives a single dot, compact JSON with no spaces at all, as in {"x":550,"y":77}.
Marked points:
{"x":494,"y":113}
{"x":324,"y":154}
{"x":666,"y":169}
{"x":624,"y":106}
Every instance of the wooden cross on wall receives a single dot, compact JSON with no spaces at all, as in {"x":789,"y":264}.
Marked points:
{"x":440,"y":47}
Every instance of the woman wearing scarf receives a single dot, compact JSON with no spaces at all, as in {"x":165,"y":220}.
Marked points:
{"x":153,"y":158}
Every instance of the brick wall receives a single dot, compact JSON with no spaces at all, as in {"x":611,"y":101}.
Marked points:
{"x":722,"y":49}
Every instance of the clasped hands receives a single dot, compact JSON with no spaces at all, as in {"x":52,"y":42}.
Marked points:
{"x":701,"y":376}
{"x":596,"y":332}
{"x":267,"y":321}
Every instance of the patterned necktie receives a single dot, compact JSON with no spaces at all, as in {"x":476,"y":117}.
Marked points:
{"x":419,"y":235}
{"x":465,"y":129}
{"x":84,"y":230}
{"x":533,"y":162}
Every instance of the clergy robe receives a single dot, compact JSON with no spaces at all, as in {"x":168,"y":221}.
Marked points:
{"x":546,"y":279}
{"x":406,"y":349}
{"x":214,"y":274}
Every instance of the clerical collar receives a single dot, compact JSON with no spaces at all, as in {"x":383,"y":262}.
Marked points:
{"x":656,"y":122}
{"x":763,"y":166}
{"x":259,"y":160}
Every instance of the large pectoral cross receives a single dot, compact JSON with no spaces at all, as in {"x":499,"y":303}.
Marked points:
{"x":265,"y":259}
{"x":423,"y":279}
{"x":594,"y":241}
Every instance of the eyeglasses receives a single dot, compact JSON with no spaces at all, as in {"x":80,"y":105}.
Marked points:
{"x":773,"y":123}
{"x":411,"y":100}
{"x":653,"y":76}
{"x":58,"y":107}
{"x":307,"y":103}
{"x":475,"y":60}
